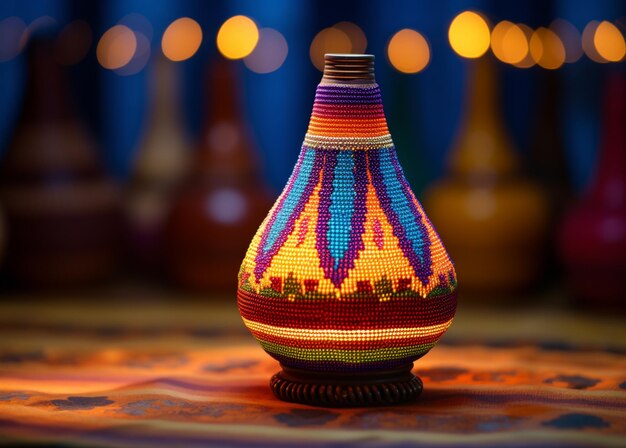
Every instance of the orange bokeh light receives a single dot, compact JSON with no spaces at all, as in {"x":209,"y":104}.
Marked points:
{"x":237,"y":37}
{"x":181,"y":39}
{"x":357,"y":37}
{"x":408,"y":51}
{"x":609,"y":42}
{"x":116,"y":47}
{"x":469,"y":35}
{"x":588,"y":42}
{"x":547,"y":49}
{"x":329,"y":40}
{"x":509,"y":43}
{"x":528,"y":60}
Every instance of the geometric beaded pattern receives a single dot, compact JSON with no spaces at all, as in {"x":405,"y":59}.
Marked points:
{"x":347,"y":272}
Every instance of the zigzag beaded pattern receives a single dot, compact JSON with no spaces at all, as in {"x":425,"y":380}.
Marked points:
{"x":347,"y":273}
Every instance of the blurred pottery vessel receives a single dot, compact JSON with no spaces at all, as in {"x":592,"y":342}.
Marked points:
{"x":62,"y":212}
{"x":492,"y":218}
{"x":593,"y":235}
{"x":222,"y":200}
{"x":160,"y":166}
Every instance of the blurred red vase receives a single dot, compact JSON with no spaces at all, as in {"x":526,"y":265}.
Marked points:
{"x":221,"y":202}
{"x":593,"y":235}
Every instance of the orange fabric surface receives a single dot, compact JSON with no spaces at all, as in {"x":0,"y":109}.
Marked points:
{"x":189,"y":374}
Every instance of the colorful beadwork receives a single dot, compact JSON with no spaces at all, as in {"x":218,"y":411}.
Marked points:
{"x":346,"y":273}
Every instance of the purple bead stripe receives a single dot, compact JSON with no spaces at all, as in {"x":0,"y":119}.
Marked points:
{"x":338,"y":96}
{"x":264,"y":258}
{"x":350,"y":101}
{"x":282,"y":199}
{"x":365,"y":95}
{"x":332,"y":97}
{"x":343,"y":91}
{"x":322,"y":243}
{"x":420,"y":219}
{"x":422,"y":270}
{"x":358,"y":218}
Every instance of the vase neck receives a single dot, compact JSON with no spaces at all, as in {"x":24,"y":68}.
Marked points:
{"x":483,"y":149}
{"x":165,"y":108}
{"x":348,"y":110}
{"x":226,"y":152}
{"x":47,"y":96}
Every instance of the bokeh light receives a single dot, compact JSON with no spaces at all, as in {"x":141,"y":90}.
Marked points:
{"x":408,"y":51}
{"x":237,"y":37}
{"x":609,"y":42}
{"x":497,"y":39}
{"x":589,"y":46}
{"x":42,"y":25}
{"x":140,"y":58}
{"x":528,"y":60}
{"x":357,"y":37}
{"x":138,"y":23}
{"x":570,"y":37}
{"x":509,"y":43}
{"x":116,"y":47}
{"x":469,"y":34}
{"x":12,"y":29}
{"x":329,"y":40}
{"x":181,"y":39}
{"x":270,"y":52}
{"x":73,"y":42}
{"x":547,"y":49}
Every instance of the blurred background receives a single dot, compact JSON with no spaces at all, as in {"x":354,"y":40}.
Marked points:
{"x":143,"y":141}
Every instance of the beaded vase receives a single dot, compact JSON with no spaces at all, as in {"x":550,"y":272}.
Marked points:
{"x":346,"y":282}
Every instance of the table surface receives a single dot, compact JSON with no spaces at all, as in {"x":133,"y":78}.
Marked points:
{"x":157,"y":370}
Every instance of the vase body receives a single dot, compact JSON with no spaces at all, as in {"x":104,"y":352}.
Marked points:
{"x":159,"y":167}
{"x":346,"y":273}
{"x":221,"y":200}
{"x":492,"y":218}
{"x":63,"y":214}
{"x":593,"y":233}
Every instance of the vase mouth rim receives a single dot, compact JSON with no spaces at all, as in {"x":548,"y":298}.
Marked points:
{"x":349,"y":68}
{"x":334,"y":56}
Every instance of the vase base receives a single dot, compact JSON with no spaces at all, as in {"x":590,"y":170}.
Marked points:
{"x":353,"y":389}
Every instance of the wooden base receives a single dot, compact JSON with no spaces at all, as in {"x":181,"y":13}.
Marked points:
{"x":348,"y":389}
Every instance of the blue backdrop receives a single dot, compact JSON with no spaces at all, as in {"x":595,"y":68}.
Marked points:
{"x":423,"y":110}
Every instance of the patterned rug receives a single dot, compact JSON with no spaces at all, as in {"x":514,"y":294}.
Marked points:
{"x":165,"y":373}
